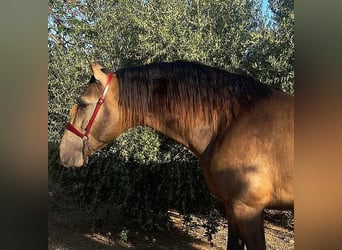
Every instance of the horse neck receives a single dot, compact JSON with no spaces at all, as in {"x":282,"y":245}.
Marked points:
{"x":195,"y":136}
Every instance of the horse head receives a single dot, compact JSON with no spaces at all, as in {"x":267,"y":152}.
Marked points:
{"x":94,"y":121}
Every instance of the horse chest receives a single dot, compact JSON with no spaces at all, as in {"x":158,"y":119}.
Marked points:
{"x":232,"y":173}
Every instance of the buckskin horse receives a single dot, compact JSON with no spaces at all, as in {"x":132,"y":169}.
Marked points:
{"x":241,"y":130}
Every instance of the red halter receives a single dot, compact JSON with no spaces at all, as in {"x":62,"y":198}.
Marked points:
{"x":84,"y":136}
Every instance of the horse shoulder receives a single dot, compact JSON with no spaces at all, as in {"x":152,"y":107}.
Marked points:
{"x":252,"y":159}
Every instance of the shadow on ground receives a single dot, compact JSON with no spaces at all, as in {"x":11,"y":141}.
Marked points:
{"x":70,"y":227}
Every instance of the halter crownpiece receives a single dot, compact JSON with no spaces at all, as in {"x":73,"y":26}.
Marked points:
{"x":84,"y":136}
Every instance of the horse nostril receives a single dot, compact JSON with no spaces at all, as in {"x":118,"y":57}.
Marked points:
{"x":63,"y":163}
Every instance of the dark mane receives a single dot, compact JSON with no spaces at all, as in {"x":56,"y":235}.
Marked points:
{"x":185,"y":89}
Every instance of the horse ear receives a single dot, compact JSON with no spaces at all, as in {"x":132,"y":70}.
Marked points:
{"x":98,"y":74}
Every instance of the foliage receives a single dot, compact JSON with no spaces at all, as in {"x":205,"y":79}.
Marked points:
{"x":143,"y":173}
{"x":271,"y":55}
{"x":142,"y":192}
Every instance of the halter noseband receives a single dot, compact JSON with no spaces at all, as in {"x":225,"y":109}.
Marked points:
{"x":84,"y":136}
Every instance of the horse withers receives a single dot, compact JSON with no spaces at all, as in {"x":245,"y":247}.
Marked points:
{"x":241,"y":130}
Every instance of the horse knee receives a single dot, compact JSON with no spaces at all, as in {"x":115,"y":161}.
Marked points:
{"x":252,"y":229}
{"x":249,"y":224}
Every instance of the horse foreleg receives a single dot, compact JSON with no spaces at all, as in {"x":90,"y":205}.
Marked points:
{"x":251,"y":224}
{"x":234,"y":239}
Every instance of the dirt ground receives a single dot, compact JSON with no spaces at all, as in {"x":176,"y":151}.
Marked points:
{"x":69,"y":227}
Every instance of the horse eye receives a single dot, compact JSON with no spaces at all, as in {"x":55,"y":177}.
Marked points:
{"x":82,"y":104}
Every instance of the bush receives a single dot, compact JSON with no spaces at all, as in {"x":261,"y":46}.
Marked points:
{"x":142,"y":191}
{"x":143,"y":173}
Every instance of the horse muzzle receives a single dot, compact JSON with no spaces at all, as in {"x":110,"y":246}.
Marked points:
{"x":71,"y":152}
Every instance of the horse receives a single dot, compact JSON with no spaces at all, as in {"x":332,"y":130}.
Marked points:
{"x":241,"y":130}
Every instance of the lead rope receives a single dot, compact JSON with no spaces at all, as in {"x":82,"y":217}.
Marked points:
{"x":86,"y":143}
